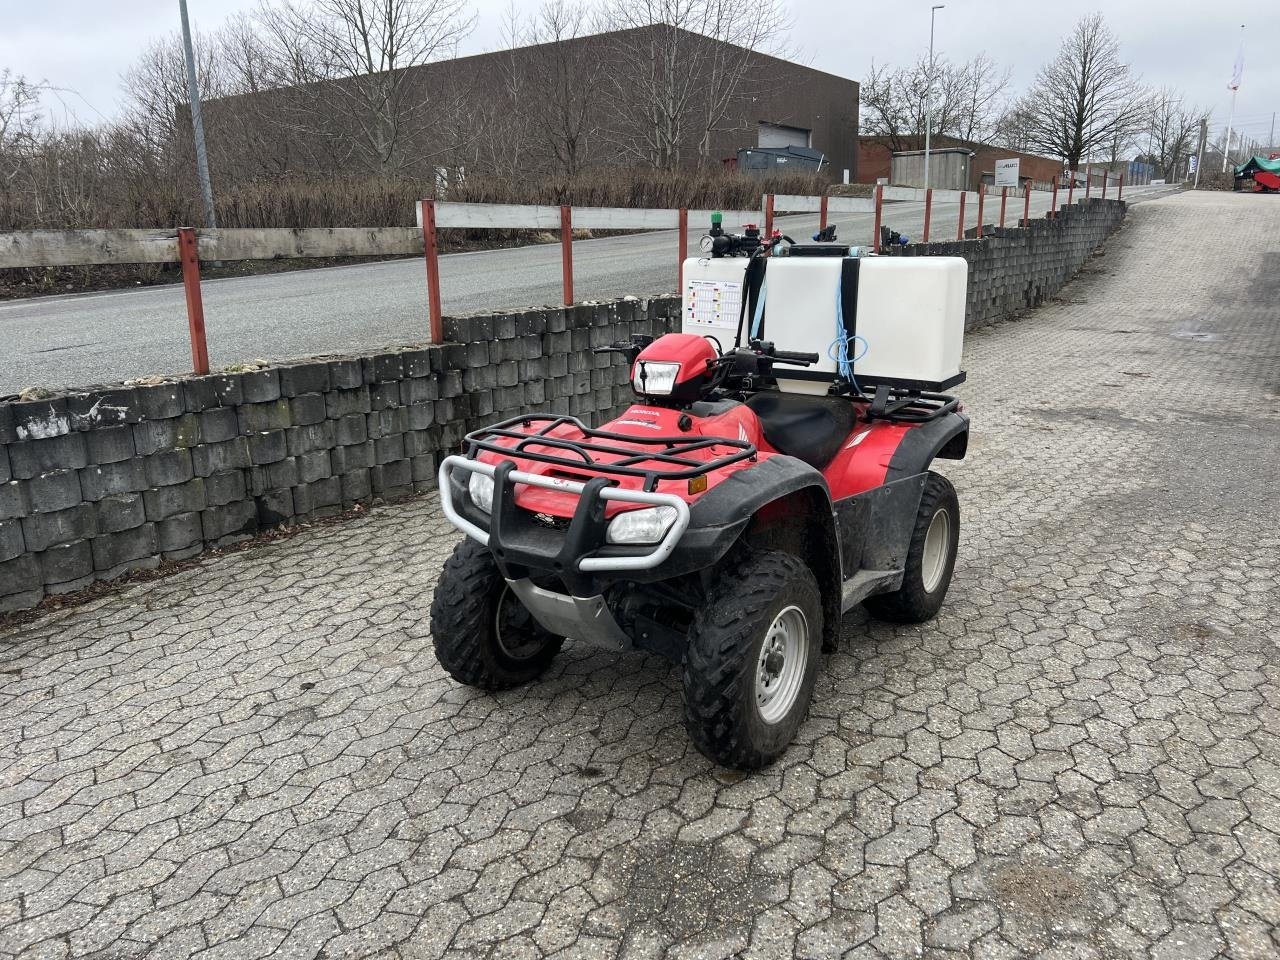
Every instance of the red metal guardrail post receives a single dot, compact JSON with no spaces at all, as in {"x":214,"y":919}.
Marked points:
{"x":1026,"y":208}
{"x":189,"y":255}
{"x":1004,"y":201}
{"x":928,"y":212}
{"x":982,"y":202}
{"x":964,"y":195}
{"x":768,"y":218}
{"x":431,"y":253}
{"x":822,"y":213}
{"x":875,"y":240}
{"x":1053,"y":204}
{"x":1120,"y":188}
{"x":566,"y":251}
{"x":684,"y":247}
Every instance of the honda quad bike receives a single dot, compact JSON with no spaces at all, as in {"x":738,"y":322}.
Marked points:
{"x":748,"y":499}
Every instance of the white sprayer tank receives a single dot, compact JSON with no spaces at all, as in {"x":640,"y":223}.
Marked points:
{"x":909,"y":314}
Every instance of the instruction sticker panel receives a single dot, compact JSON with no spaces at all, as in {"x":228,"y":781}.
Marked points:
{"x":714,"y":305}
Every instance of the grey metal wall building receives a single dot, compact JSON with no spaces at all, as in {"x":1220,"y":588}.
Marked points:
{"x":778,"y":103}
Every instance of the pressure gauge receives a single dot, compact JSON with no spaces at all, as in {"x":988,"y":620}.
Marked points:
{"x":705,"y":243}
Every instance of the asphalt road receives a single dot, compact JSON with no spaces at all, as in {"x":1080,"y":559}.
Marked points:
{"x":118,"y":335}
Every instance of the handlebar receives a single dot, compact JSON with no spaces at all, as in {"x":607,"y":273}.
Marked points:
{"x":791,"y":356}
{"x":766,"y":349}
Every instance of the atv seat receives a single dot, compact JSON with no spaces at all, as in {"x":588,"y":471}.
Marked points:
{"x":808,"y":428}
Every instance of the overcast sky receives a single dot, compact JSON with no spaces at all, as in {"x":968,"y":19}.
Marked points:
{"x":85,"y":45}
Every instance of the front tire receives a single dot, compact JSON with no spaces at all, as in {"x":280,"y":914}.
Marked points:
{"x":931,"y":558}
{"x":483,"y":635}
{"x":752,"y":660}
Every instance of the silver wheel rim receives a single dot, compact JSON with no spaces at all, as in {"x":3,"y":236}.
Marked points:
{"x":781,"y":664}
{"x":515,"y":645}
{"x":937,"y":544}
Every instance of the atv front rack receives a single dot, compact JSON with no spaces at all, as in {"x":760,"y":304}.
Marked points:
{"x":674,"y":454}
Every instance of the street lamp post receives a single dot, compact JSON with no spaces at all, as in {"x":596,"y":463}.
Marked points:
{"x":197,"y":121}
{"x":928,"y":94}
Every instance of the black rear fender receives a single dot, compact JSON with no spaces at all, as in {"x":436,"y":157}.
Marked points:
{"x":946,"y":437}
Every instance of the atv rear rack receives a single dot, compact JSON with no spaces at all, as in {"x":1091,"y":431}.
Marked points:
{"x":898,"y":404}
{"x":585,"y":454}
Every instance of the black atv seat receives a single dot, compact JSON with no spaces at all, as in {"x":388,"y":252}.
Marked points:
{"x":808,"y":428}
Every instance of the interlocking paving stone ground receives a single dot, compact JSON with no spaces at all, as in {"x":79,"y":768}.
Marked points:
{"x":1080,"y":757}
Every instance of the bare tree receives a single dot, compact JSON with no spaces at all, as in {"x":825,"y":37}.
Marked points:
{"x":976,"y":97}
{"x":566,"y":110}
{"x":1174,"y":131}
{"x":505,"y":132}
{"x":1086,"y":99}
{"x":968,"y":100}
{"x":886,"y":106}
{"x":19,"y":117}
{"x":243,"y":128}
{"x":345,"y":64}
{"x":673,"y":84}
{"x":156,"y":86}
{"x":1011,"y":129}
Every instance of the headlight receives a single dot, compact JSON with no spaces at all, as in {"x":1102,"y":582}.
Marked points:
{"x":648,"y":525}
{"x":655,"y":379}
{"x":481,"y":489}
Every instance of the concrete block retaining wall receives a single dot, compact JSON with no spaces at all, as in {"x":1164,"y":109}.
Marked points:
{"x":99,"y":482}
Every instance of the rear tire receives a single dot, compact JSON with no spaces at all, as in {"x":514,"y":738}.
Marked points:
{"x":931,"y":559}
{"x":483,"y":635}
{"x":752,"y":660}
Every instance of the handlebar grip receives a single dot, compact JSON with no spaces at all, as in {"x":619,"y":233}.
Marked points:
{"x":793,"y":356}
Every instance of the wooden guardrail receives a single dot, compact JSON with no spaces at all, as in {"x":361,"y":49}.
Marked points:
{"x":515,"y":216}
{"x":71,"y":248}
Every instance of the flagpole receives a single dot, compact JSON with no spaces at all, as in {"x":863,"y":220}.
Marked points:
{"x":1236,"y":76}
{"x":1226,"y":149}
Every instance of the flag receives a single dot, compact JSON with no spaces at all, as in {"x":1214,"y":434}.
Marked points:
{"x":1237,"y":73}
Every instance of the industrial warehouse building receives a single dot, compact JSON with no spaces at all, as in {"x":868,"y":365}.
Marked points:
{"x":579,"y":103}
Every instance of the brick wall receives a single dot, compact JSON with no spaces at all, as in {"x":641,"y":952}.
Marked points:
{"x":98,"y":483}
{"x":1012,"y":269}
{"x":101,"y":482}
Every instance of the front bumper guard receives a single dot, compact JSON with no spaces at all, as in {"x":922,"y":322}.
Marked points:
{"x":615,"y":564}
{"x":585,"y":618}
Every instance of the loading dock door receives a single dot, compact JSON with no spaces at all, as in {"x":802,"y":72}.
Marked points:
{"x":776,"y":135}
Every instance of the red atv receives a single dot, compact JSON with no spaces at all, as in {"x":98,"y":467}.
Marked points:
{"x":720,"y":521}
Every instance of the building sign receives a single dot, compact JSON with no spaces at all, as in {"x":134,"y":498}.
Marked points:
{"x":1007,"y":173}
